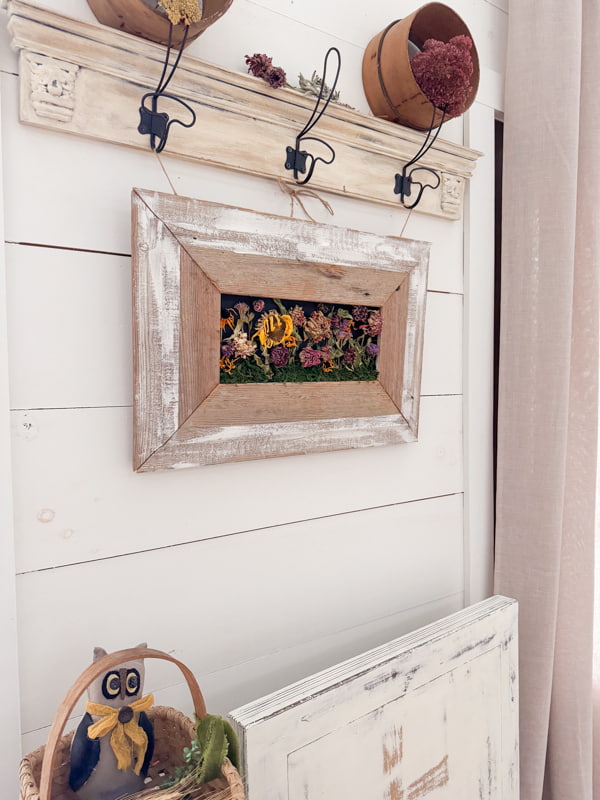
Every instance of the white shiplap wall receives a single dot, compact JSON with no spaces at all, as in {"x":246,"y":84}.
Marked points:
{"x":255,"y":573}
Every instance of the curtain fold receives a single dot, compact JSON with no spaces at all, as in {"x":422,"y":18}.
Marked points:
{"x":548,"y":382}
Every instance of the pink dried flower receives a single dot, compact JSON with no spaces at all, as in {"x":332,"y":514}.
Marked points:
{"x":349,"y":356}
{"x":318,"y":326}
{"x":443,"y":71}
{"x":259,"y":64}
{"x":276,"y":77}
{"x":298,"y":316}
{"x":258,"y":306}
{"x":360,"y":313}
{"x":310,"y":357}
{"x":242,"y":348}
{"x":374,"y":324}
{"x":279,"y":356}
{"x":326,"y":353}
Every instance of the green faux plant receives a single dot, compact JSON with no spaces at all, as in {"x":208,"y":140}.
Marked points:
{"x":214,"y":742}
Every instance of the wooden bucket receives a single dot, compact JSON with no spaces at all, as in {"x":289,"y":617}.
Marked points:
{"x":145,"y":18}
{"x":390,"y":87}
{"x":44,"y":774}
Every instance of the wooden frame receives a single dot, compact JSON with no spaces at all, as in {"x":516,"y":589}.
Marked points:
{"x":431,"y":714}
{"x":185,"y":254}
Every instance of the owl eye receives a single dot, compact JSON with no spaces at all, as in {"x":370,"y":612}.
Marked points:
{"x":111,"y":685}
{"x":132,"y":683}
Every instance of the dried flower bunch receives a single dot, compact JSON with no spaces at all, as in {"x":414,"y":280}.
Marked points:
{"x":185,"y":11}
{"x":443,"y":71}
{"x":272,"y":340}
{"x":261,"y":66}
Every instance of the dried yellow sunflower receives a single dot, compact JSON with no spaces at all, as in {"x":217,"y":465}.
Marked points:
{"x":274,"y":328}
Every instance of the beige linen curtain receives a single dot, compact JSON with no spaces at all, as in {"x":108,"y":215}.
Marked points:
{"x":548,"y":383}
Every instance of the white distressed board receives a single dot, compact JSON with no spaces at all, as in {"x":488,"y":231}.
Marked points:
{"x":433,"y":713}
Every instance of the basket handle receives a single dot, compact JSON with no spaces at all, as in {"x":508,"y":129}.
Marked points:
{"x":90,"y":674}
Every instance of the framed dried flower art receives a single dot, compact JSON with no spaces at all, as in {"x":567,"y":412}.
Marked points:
{"x":258,"y":336}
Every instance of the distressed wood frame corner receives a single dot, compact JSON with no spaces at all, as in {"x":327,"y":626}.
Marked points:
{"x":185,"y":254}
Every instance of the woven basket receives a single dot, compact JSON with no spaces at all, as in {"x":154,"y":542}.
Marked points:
{"x":44,"y":774}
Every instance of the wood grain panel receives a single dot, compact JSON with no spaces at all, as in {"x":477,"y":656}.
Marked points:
{"x":200,"y":308}
{"x":393,"y":344}
{"x":258,"y":404}
{"x":259,"y":275}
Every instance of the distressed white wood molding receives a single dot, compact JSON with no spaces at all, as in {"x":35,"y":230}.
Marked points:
{"x":88,"y":80}
{"x":436,"y":709}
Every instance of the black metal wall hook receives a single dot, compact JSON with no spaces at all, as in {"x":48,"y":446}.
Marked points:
{"x":156,"y":123}
{"x":296,"y":158}
{"x":404,"y":179}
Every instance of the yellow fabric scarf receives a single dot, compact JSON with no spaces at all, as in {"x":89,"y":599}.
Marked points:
{"x":127,"y":738}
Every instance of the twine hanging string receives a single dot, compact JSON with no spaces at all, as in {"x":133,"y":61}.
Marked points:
{"x":162,"y":166}
{"x":296,"y":195}
{"x":406,"y":222}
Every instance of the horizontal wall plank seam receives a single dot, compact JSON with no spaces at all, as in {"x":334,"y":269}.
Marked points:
{"x":128,"y":405}
{"x":270,"y":653}
{"x":65,"y":247}
{"x":241,"y":533}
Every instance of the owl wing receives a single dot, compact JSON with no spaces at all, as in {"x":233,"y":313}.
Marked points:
{"x":146,"y":726}
{"x":85,"y":753}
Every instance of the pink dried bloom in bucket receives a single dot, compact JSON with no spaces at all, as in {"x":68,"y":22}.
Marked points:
{"x":443,"y":71}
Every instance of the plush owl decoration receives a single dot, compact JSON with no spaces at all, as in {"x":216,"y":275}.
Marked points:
{"x":113,"y":744}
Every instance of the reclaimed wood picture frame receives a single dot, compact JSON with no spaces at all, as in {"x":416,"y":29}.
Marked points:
{"x":186,"y":253}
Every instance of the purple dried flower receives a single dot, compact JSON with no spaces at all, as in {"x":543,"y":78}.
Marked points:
{"x":276,"y":77}
{"x":326,"y":352}
{"x":279,"y":356}
{"x":242,"y":308}
{"x":360,"y":313}
{"x":342,"y":327}
{"x":372,"y":349}
{"x":258,"y":306}
{"x":349,"y":356}
{"x":227,"y":349}
{"x":310,"y":357}
{"x":443,"y":71}
{"x":259,"y":64}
